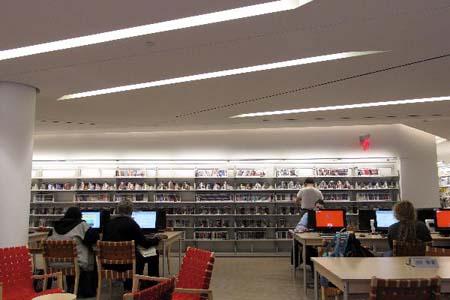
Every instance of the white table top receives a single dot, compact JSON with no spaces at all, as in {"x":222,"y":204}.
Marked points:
{"x":65,"y":296}
{"x":358,"y":268}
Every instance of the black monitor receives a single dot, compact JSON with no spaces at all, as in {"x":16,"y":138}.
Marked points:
{"x":330,"y":220}
{"x":364,"y":217}
{"x":92,"y":218}
{"x":442,"y":221}
{"x":425,"y":214}
{"x":384,"y":219}
{"x":146,"y":219}
{"x":161,"y":223}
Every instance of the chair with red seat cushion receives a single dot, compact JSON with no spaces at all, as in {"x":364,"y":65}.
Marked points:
{"x":161,"y":291}
{"x":193,"y":279}
{"x":16,"y":279}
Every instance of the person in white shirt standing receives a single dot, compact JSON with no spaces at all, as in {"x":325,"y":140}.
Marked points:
{"x":308,"y":195}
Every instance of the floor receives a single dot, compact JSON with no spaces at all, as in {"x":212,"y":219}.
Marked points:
{"x":249,"y":278}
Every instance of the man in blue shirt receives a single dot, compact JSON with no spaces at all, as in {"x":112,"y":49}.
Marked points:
{"x":303,"y":225}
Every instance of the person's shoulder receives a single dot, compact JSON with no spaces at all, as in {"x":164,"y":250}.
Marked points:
{"x":421,"y":225}
{"x":394,"y":226}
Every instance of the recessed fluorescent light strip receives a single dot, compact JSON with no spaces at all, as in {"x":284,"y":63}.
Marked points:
{"x":342,"y":107}
{"x":193,"y":21}
{"x":277,"y":65}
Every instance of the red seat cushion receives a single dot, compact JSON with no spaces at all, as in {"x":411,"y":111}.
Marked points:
{"x":178,"y":296}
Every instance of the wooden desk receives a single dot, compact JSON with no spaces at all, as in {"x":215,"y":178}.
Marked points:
{"x":164,"y":245}
{"x":352,"y":275}
{"x":36,"y":237}
{"x":58,"y":296}
{"x":374,"y":241}
{"x":314,"y":239}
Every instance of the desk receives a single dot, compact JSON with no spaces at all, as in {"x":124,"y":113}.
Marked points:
{"x":352,"y":275}
{"x":370,"y":240}
{"x":314,"y":239}
{"x":36,"y":237}
{"x":164,"y":245}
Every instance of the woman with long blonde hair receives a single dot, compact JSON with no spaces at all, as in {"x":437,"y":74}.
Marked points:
{"x":408,"y":228}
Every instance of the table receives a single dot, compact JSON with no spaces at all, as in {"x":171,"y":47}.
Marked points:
{"x":164,"y":245}
{"x":36,"y":237}
{"x":57,"y":296}
{"x":352,"y":275}
{"x":314,"y":239}
{"x":370,"y":240}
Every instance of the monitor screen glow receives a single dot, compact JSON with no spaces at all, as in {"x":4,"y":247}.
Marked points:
{"x":145,"y":219}
{"x":92,"y":218}
{"x":385,"y":218}
{"x":443,"y":219}
{"x":330,"y":219}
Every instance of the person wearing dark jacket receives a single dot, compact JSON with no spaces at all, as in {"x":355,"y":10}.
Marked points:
{"x":407,"y":228}
{"x":72,"y":227}
{"x":124,"y":228}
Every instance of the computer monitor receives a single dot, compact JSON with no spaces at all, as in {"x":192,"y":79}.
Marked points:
{"x":364,"y":217}
{"x":425,"y":214}
{"x":92,"y":218}
{"x":442,"y":221}
{"x":146,"y":219}
{"x":161,"y":220}
{"x":330,"y":220}
{"x":384,"y":219}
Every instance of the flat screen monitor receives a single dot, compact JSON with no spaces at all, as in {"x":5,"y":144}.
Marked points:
{"x":330,"y":220}
{"x":145,"y":219}
{"x":425,"y":213}
{"x":364,"y":217}
{"x":384,"y":219}
{"x":442,"y":220}
{"x":92,"y":218}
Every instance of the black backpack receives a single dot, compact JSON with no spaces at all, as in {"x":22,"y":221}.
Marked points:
{"x":354,"y":248}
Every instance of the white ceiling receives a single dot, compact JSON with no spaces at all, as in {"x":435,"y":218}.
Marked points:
{"x":411,"y":30}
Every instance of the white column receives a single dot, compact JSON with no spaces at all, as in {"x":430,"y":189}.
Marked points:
{"x":17,"y":109}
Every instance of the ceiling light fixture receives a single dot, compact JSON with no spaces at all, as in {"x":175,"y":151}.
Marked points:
{"x":193,"y":21}
{"x":344,"y":106}
{"x":223,"y":73}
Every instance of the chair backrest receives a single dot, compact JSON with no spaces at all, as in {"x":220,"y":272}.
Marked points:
{"x":433,"y":251}
{"x":408,"y":248}
{"x":15,"y":267}
{"x":405,"y":289}
{"x":196,"y":269}
{"x":162,"y":291}
{"x":116,"y":253}
{"x":60,"y":256}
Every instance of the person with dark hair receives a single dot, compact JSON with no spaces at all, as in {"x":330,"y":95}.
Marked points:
{"x":309,"y":194}
{"x":72,"y":227}
{"x":124,"y":228}
{"x":408,"y":228}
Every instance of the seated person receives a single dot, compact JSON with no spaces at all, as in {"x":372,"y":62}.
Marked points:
{"x":408,"y":228}
{"x":124,"y":228}
{"x":303,"y":226}
{"x":72,"y":227}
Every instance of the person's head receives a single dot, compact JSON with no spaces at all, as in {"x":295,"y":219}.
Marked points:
{"x":319,"y":204}
{"x":73,"y":213}
{"x":404,"y":211}
{"x":309,"y":181}
{"x":125,"y":208}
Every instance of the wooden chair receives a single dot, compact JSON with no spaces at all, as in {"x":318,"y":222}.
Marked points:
{"x":408,"y":248}
{"x":120,"y":254}
{"x":405,"y":289}
{"x":162,"y":291}
{"x":61,"y":256}
{"x":16,"y":279}
{"x":433,"y":251}
{"x":193,"y":279}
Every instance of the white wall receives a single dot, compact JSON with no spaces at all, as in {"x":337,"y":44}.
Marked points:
{"x":416,"y":149}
